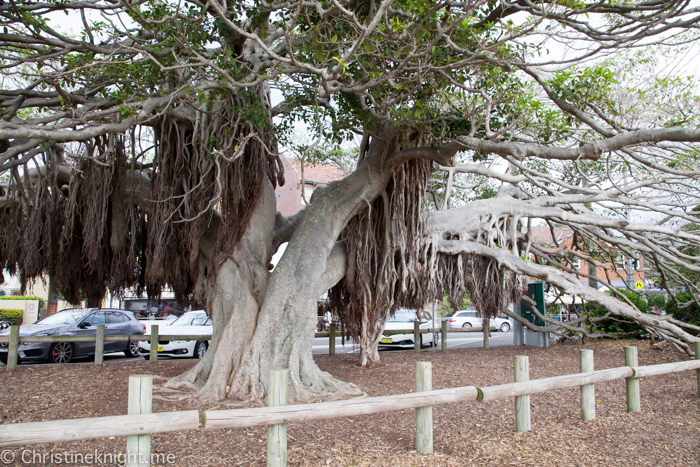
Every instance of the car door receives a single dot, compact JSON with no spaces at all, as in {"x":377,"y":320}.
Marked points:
{"x":88,"y":327}
{"x":117,"y":325}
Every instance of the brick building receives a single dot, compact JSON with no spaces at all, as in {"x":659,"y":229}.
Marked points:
{"x":616,"y":273}
{"x":289,"y":196}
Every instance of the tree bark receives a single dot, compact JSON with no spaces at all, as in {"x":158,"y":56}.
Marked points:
{"x":266,"y":320}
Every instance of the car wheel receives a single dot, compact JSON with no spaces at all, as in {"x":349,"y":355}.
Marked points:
{"x":3,"y":358}
{"x":505,"y":327}
{"x":420,"y":341}
{"x":61,"y":352}
{"x":132,"y":349}
{"x":436,"y":340}
{"x":199,"y":350}
{"x":467,"y":325}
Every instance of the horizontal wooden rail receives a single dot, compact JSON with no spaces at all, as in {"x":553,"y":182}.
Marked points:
{"x":108,"y":338}
{"x":238,"y":418}
{"x":547,"y":384}
{"x":13,"y":434}
{"x":146,"y":337}
{"x":665,"y":368}
{"x":393,"y":332}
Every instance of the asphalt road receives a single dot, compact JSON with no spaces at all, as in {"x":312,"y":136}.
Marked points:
{"x":454,"y":341}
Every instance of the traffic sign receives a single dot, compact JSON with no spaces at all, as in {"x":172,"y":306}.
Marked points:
{"x":639,"y":285}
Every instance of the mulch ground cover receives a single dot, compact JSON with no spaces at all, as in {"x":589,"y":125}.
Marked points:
{"x":665,"y":432}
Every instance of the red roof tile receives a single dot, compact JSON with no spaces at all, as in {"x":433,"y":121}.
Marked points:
{"x":320,"y":173}
{"x":544,"y":234}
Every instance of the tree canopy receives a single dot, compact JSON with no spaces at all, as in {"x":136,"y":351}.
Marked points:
{"x":141,"y":140}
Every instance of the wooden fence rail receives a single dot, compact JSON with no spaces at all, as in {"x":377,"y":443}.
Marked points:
{"x":279,"y":415}
{"x":100,"y":338}
{"x":202,"y":337}
{"x":58,"y":431}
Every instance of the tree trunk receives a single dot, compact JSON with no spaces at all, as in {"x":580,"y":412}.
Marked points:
{"x":371,"y":334}
{"x":266,"y":320}
{"x":486,"y":330}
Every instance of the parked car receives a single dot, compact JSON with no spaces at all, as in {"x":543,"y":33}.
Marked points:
{"x":76,"y":322}
{"x":404,"y":319}
{"x":467,"y":319}
{"x":192,"y":323}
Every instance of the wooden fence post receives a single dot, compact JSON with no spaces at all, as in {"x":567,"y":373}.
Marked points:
{"x":154,"y":343}
{"x":100,"y":344}
{"x":587,"y":390}
{"x":12,"y":349}
{"x":331,"y":339}
{"x":522,"y":403}
{"x":424,"y":415}
{"x":633,"y":402}
{"x":138,"y":447}
{"x":416,"y":336}
{"x":443,"y":335}
{"x":697,"y":357}
{"x":277,"y":434}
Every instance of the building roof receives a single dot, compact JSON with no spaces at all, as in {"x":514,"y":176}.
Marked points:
{"x":320,"y":173}
{"x":544,"y":234}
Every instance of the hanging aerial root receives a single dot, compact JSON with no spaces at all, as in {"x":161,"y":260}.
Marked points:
{"x":383,"y":246}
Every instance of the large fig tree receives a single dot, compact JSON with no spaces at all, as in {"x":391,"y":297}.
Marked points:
{"x":141,"y":146}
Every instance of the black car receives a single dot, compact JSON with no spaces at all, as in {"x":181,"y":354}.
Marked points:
{"x":76,"y":322}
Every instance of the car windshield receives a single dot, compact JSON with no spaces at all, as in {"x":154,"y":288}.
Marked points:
{"x":63,"y":317}
{"x":190,"y":320}
{"x":403,"y":316}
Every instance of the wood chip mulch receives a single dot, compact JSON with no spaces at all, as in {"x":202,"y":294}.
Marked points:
{"x":665,"y":433}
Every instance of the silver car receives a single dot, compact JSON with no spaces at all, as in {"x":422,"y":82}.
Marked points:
{"x":467,"y":319}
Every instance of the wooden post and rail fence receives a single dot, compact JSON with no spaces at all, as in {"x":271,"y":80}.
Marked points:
{"x":100,"y":338}
{"x":141,"y":423}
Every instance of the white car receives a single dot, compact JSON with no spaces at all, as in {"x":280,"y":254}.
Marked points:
{"x":192,"y":323}
{"x":467,"y":319}
{"x":404,"y":319}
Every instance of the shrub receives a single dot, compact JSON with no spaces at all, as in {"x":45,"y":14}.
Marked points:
{"x":618,"y":325}
{"x":21,"y":297}
{"x":12,"y":315}
{"x":689,"y":314}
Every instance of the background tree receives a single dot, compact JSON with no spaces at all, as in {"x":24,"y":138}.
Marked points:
{"x":141,"y":152}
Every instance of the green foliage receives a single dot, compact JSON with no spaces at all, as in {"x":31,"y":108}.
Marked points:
{"x":21,"y":297}
{"x":444,"y":308}
{"x":619,"y":325}
{"x":688,"y":314}
{"x":12,"y":315}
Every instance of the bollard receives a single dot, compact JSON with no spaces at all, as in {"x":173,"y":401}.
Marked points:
{"x":424,"y":415}
{"x":277,"y":434}
{"x":587,"y":390}
{"x":697,"y":357}
{"x":100,"y":344}
{"x":331,"y":339}
{"x":416,"y":336}
{"x":633,"y":403}
{"x":522,"y":403}
{"x":138,"y":447}
{"x":12,"y":348}
{"x":443,"y":335}
{"x":154,"y":344}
